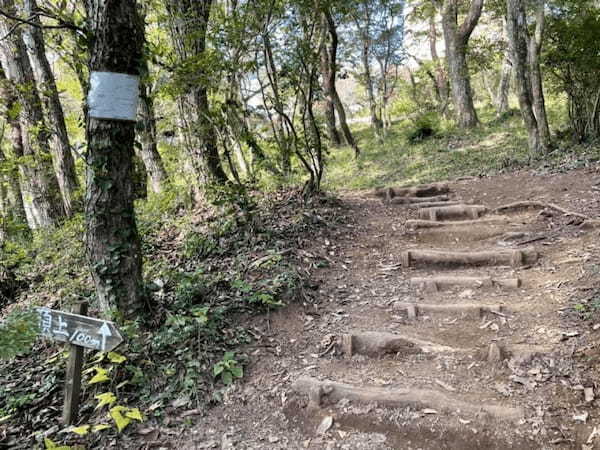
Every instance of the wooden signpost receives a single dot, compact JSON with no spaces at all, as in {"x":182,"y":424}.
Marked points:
{"x":79,"y":331}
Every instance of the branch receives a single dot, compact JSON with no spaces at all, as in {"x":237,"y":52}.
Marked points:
{"x":30,"y":21}
{"x":471,"y":20}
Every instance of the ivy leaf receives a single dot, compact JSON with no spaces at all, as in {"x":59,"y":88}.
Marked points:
{"x":134,"y":413}
{"x":116,"y":358}
{"x":119,"y":419}
{"x":50,"y":445}
{"x":102,"y":426}
{"x":5,"y":418}
{"x":108,"y":398}
{"x":81,"y":431}
{"x":100,"y":377}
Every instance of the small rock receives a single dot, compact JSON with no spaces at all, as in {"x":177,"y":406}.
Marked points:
{"x":588,"y":394}
{"x":325,"y":425}
{"x":581,"y":417}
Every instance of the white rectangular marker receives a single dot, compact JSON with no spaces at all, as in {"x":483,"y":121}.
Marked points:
{"x":113,"y":96}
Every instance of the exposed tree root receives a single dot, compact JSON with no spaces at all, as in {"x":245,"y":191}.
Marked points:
{"x":426,"y":190}
{"x":449,"y":212}
{"x":416,"y":224}
{"x":379,"y":344}
{"x":535,"y":204}
{"x":439,"y":282}
{"x":328,"y":392}
{"x":514,"y":258}
{"x":415,"y":310}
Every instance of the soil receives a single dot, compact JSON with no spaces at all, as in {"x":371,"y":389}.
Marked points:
{"x":549,"y":352}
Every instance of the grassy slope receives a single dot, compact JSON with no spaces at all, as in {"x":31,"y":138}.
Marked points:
{"x":492,"y":147}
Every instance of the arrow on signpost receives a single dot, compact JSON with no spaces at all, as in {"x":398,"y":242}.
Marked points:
{"x":105,"y":332}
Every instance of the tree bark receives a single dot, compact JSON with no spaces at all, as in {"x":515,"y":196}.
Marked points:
{"x":157,"y":176}
{"x":375,"y":120}
{"x":518,"y":49}
{"x":440,"y":77}
{"x":189,"y":23}
{"x":112,"y":240}
{"x":62,"y":158}
{"x":456,"y":39}
{"x":537,"y":90}
{"x":331,"y":88}
{"x":39,"y":186}
{"x":328,"y":81}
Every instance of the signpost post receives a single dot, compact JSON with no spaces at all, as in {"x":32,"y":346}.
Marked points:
{"x":79,"y":331}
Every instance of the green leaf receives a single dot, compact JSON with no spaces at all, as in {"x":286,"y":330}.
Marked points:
{"x":135,"y":414}
{"x":237,"y":372}
{"x":119,"y":419}
{"x":108,"y":398}
{"x":100,"y":377}
{"x":116,"y":358}
{"x":102,"y":426}
{"x":217,"y":369}
{"x":50,"y":445}
{"x":227,"y":378}
{"x":81,"y":431}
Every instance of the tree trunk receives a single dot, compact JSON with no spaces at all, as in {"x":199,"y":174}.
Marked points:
{"x":328,"y":81}
{"x":157,"y":176}
{"x":456,"y":39}
{"x":440,"y":77}
{"x":10,"y":194}
{"x":62,"y":158}
{"x":331,"y":88}
{"x":501,"y":100}
{"x":375,"y":121}
{"x":189,"y":23}
{"x":537,"y":90}
{"x":518,"y":49}
{"x":112,"y":240}
{"x":39,"y":186}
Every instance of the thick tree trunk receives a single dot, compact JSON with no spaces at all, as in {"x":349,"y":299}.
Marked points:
{"x":456,"y":39}
{"x":62,"y":158}
{"x":334,"y":97}
{"x":518,"y":48}
{"x":189,"y":23}
{"x":10,"y":193}
{"x":39,"y":186}
{"x":157,"y":176}
{"x":537,"y":90}
{"x":501,"y":100}
{"x":112,"y":240}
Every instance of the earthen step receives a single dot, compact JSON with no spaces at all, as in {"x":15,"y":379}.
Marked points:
{"x":452,"y":212}
{"x":425,"y":205}
{"x":413,"y":310}
{"x":321,"y":393}
{"x":514,"y":258}
{"x":434,"y":284}
{"x":426,"y":190}
{"x":414,"y":200}
{"x":379,"y":344}
{"x":416,"y":224}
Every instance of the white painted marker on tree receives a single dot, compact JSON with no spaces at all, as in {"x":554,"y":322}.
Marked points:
{"x":113,"y":96}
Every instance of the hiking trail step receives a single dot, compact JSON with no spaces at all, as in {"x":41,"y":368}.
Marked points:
{"x":436,"y":283}
{"x":514,"y":258}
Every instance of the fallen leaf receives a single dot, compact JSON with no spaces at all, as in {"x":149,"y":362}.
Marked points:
{"x":325,"y":425}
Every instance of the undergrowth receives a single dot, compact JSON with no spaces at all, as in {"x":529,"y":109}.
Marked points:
{"x":208,"y":273}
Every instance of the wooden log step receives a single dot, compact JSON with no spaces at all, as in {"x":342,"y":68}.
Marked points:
{"x":379,"y":344}
{"x":436,"y":283}
{"x":416,"y":224}
{"x":425,"y":190}
{"x":414,"y":310}
{"x":432,"y":205}
{"x":514,"y":258}
{"x":411,"y":200}
{"x":452,"y":212}
{"x":322,"y":393}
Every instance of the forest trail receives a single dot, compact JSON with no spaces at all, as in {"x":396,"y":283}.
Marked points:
{"x":481,"y":351}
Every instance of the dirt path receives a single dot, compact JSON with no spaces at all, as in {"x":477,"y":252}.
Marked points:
{"x":379,"y":362}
